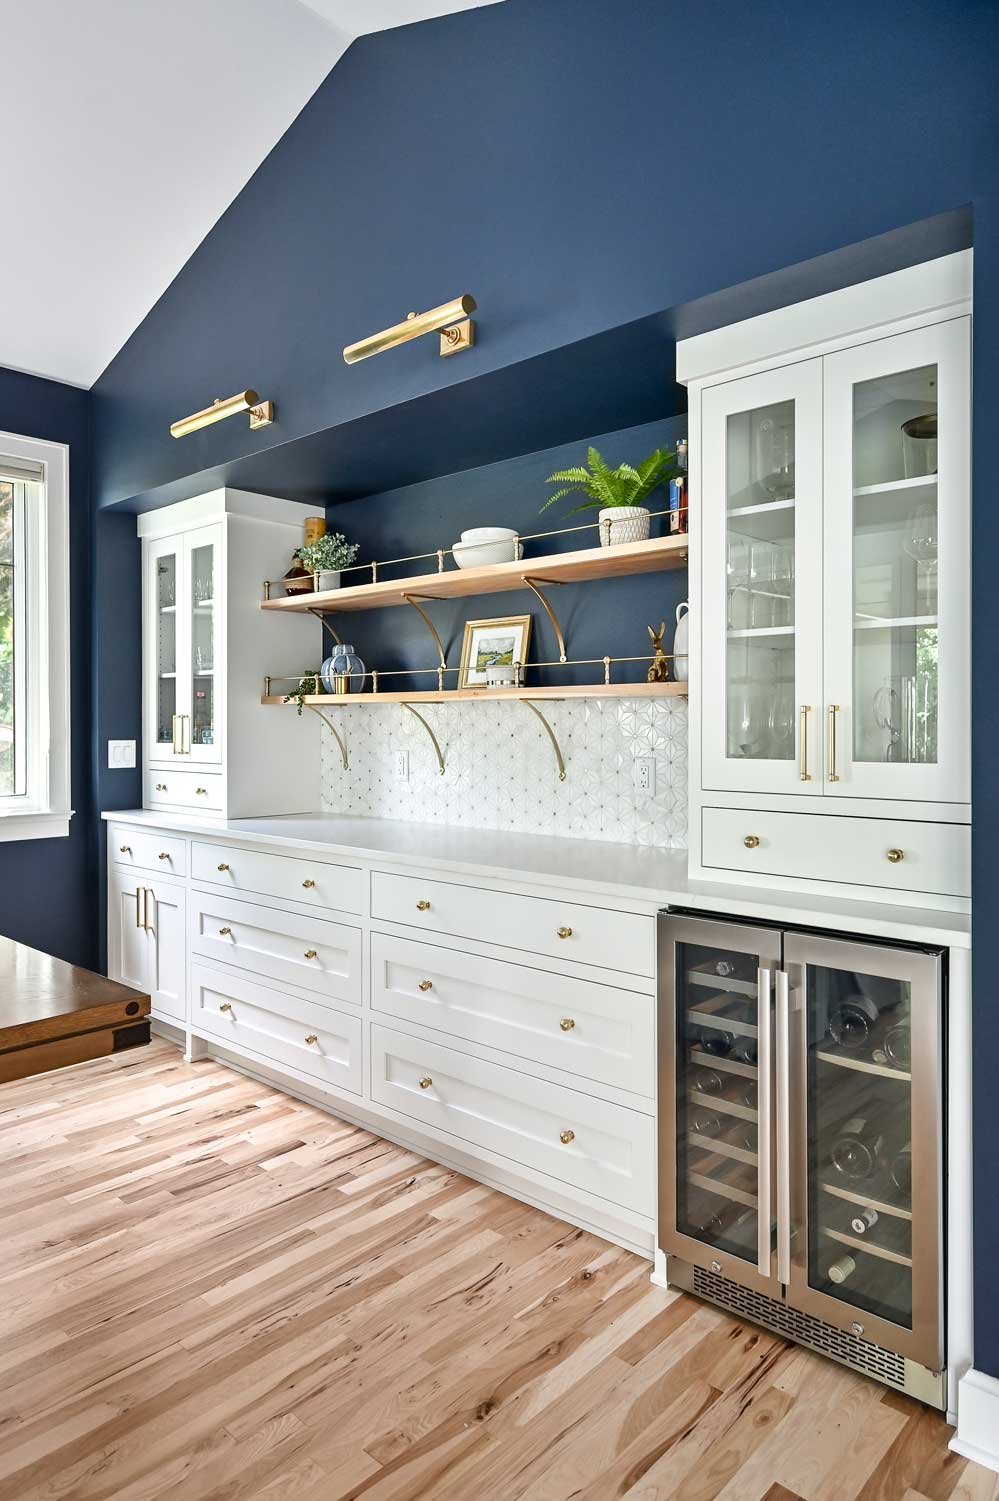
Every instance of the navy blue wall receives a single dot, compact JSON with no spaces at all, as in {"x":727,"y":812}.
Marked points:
{"x":609,"y":617}
{"x":577,"y":166}
{"x":47,"y":885}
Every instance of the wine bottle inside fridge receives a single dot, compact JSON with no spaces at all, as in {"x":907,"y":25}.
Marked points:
{"x":856,"y":1152}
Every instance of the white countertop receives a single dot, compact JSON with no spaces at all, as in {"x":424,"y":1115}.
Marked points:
{"x":628,"y":872}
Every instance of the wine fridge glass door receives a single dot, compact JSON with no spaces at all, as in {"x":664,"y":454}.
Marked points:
{"x":866,"y":1219}
{"x":716,"y":1105}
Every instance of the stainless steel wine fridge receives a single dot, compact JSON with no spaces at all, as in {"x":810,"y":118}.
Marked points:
{"x":800,"y":1164}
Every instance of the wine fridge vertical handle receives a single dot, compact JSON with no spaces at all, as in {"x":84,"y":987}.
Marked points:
{"x":783,"y":1078}
{"x":764,"y":1116}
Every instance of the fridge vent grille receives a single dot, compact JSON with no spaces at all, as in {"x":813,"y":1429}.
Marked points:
{"x":883,"y":1365}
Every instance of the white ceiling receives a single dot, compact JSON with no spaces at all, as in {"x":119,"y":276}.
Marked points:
{"x":128,"y":130}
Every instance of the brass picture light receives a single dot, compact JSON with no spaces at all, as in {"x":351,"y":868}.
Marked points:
{"x":261,"y":413}
{"x":451,"y":320}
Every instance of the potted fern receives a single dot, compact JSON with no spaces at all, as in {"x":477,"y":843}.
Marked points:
{"x":326,"y":556}
{"x":619,"y":495}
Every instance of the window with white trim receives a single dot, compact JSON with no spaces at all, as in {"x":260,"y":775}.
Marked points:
{"x":34,"y":638}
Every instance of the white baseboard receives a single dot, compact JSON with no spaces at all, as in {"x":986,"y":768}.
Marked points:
{"x":659,"y":1270}
{"x":977,"y":1435}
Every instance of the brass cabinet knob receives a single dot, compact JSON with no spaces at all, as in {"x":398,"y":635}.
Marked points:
{"x":308,"y":885}
{"x":223,"y":866}
{"x":163,"y":856}
{"x":161,"y":786}
{"x":565,"y":932}
{"x":567,"y":1023}
{"x":224,"y":932}
{"x":225,"y":1006}
{"x":311,"y":953}
{"x":752,"y":841}
{"x":311,"y":1038}
{"x":895,"y":856}
{"x":426,"y":1081}
{"x":423,"y":906}
{"x":201,"y":791}
{"x":426,"y":985}
{"x":124,"y":849}
{"x":566,"y":1136}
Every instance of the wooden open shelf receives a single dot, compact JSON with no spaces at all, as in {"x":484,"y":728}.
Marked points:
{"x":468,"y":695}
{"x":617,"y":561}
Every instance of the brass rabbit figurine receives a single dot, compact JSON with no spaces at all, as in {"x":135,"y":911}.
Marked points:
{"x":659,"y":670}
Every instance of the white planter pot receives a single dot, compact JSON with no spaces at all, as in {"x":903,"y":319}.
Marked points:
{"x":681,"y":661}
{"x":328,"y":581}
{"x":623,"y":524}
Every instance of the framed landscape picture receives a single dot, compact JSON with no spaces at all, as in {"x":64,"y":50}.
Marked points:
{"x":492,"y":643}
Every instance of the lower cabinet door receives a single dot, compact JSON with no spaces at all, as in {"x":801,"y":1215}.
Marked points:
{"x":279,"y":1028}
{"x":604,"y":1149}
{"x":165,"y":913}
{"x":128,"y":940}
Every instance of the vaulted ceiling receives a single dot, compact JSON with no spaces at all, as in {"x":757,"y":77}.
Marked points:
{"x":128,"y":130}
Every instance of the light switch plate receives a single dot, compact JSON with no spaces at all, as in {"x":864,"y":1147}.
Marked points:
{"x":121,"y":754}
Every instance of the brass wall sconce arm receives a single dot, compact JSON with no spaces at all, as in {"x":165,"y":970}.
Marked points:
{"x":261,"y":413}
{"x":451,"y":320}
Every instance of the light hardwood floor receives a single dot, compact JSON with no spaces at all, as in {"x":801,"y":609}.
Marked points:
{"x":210,"y":1290}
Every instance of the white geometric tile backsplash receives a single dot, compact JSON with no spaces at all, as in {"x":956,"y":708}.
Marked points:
{"x":501,"y":771}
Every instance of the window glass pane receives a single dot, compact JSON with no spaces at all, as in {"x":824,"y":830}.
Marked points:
{"x":7,"y":675}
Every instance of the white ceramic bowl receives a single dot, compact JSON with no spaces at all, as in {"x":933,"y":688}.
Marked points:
{"x":480,"y":554}
{"x":489,"y":534}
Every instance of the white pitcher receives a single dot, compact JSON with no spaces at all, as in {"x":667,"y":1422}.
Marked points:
{"x":681,"y":670}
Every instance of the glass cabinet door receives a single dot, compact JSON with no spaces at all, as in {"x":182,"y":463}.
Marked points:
{"x":715,"y":1196}
{"x":163,"y":582}
{"x":761,"y":508}
{"x":896,"y":548}
{"x":201,"y":551}
{"x":866,"y":1255}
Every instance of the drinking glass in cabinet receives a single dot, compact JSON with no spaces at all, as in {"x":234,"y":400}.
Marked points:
{"x":859,"y":1121}
{"x":717,"y":1104}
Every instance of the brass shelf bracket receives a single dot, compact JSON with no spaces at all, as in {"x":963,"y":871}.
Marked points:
{"x":335,"y":733}
{"x":551,"y":736}
{"x":326,"y":625}
{"x":414,"y":600}
{"x":532,"y":584}
{"x":436,"y":743}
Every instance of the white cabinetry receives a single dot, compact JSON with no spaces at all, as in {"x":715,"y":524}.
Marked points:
{"x":147,"y":940}
{"x":208,"y":746}
{"x":830,"y":574}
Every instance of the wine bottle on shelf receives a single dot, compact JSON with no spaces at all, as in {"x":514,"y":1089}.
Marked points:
{"x":898,"y":1045}
{"x":705,"y":1123}
{"x":900,"y":1171}
{"x":852,"y":1022}
{"x":750,"y":1095}
{"x":678,"y":491}
{"x":707,"y":1081}
{"x":714,"y":1041}
{"x":857,"y":1149}
{"x":745,"y":1050}
{"x":841,"y":1270}
{"x":863,"y":1220}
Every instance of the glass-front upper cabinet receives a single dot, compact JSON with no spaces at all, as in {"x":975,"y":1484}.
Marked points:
{"x":182,"y":647}
{"x":896,"y":519}
{"x":716,"y":1192}
{"x":865,"y":1250}
{"x":201,"y":551}
{"x":163,"y":570}
{"x":761,"y":505}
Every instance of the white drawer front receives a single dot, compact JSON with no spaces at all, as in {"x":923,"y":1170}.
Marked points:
{"x":278,"y":1026}
{"x":314,"y":882}
{"x":935,"y":857}
{"x":303,"y":951}
{"x":147,"y":849}
{"x":198,"y":791}
{"x":589,"y":1029}
{"x":610,"y":1151}
{"x":566,"y":930}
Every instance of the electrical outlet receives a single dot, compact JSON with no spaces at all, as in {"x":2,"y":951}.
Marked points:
{"x":402,"y":765}
{"x":644,"y":772}
{"x":121,"y":754}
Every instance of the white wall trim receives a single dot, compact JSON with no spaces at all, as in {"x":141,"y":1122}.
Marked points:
{"x":977,"y":1435}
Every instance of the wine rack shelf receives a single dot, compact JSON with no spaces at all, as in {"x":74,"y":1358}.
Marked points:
{"x":861,"y":1066}
{"x":869,"y":1247}
{"x":724,"y":1107}
{"x":723,"y":1149}
{"x":867,"y":1201}
{"x":722,"y":1189}
{"x":720,"y":1022}
{"x":723,"y":1065}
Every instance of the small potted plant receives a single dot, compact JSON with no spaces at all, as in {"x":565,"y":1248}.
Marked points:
{"x":326,"y":557}
{"x":619,"y":495}
{"x":308,"y":684}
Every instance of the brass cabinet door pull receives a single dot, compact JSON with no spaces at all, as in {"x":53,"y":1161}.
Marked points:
{"x":567,"y":1023}
{"x":311,"y":953}
{"x":833,"y":773}
{"x":185,"y":734}
{"x":311,"y":1039}
{"x":804,"y":775}
{"x":225,"y":1006}
{"x":201,"y":791}
{"x":146,"y":894}
{"x":426,"y":985}
{"x":138,"y":908}
{"x":173,"y":727}
{"x":224,"y":932}
{"x":423,"y":906}
{"x":223,"y":866}
{"x":163,"y":856}
{"x":895,"y":856}
{"x":566,"y":1136}
{"x":161,"y":786}
{"x":426,"y":1081}
{"x":308,"y":885}
{"x":565,"y":932}
{"x":124,"y":849}
{"x":752,"y":841}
